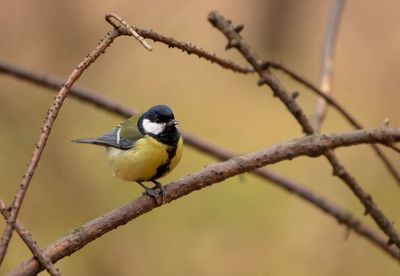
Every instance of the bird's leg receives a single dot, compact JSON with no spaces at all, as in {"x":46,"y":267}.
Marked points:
{"x":149,"y":191}
{"x":159,"y":186}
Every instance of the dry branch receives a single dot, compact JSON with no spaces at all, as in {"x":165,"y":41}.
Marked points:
{"x":312,"y":146}
{"x":235,"y":40}
{"x":40,"y":145}
{"x":30,"y":243}
{"x":341,"y":216}
{"x":46,"y":129}
{"x":188,"y":48}
{"x":388,"y":164}
{"x":207,"y":148}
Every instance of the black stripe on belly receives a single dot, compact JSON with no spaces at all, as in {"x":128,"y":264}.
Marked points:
{"x":163,"y":169}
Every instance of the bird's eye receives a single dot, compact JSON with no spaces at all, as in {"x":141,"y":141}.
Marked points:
{"x":157,"y":121}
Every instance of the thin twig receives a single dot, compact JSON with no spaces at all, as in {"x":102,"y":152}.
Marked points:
{"x":46,"y":129}
{"x":266,"y":77}
{"x":389,"y":165}
{"x":30,"y":243}
{"x":207,"y":148}
{"x":313,"y":146}
{"x":327,"y":59}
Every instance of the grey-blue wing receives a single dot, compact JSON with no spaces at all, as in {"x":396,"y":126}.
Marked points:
{"x":111,"y":138}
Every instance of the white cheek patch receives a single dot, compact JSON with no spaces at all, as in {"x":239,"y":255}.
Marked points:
{"x":152,"y":127}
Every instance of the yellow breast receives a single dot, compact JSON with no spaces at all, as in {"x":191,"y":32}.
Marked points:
{"x":141,"y":162}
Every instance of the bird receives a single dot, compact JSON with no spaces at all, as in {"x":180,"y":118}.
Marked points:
{"x":144,"y":148}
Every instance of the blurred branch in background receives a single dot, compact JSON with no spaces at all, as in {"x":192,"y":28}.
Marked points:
{"x":232,"y":33}
{"x":312,"y":146}
{"x":327,"y":60}
{"x":30,"y":243}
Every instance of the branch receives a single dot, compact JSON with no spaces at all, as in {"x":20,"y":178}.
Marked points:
{"x":30,"y":243}
{"x":327,"y":57}
{"x":221,"y":154}
{"x":313,"y":146}
{"x":388,"y":164}
{"x":48,"y":81}
{"x":266,"y":77}
{"x":46,"y":129}
{"x":185,"y":47}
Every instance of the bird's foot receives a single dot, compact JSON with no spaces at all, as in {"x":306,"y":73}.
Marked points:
{"x":160,"y":187}
{"x":152,"y":192}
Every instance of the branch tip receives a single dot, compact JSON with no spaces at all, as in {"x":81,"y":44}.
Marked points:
{"x":125,"y":28}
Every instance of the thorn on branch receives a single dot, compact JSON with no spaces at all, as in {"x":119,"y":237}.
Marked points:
{"x":295,"y":94}
{"x":347,"y":233}
{"x":261,"y":82}
{"x":238,"y":28}
{"x":231,"y":44}
{"x":386,"y":122}
{"x":265,"y":65}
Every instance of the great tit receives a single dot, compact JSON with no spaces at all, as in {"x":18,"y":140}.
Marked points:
{"x":144,"y":148}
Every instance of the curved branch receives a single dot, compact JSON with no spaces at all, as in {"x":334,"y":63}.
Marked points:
{"x":40,"y":145}
{"x":46,"y":129}
{"x":313,"y":146}
{"x":235,"y":40}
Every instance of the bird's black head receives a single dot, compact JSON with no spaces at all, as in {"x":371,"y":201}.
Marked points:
{"x":159,"y":122}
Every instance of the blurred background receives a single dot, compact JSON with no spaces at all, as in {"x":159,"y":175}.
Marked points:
{"x":243,"y":226}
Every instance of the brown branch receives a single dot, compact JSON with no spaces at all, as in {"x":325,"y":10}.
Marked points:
{"x":327,"y":58}
{"x":46,"y":129}
{"x":185,"y":47}
{"x":280,"y":181}
{"x":30,"y":243}
{"x":313,"y":146}
{"x":341,"y":110}
{"x":266,"y":77}
{"x":83,"y":95}
{"x":191,"y":49}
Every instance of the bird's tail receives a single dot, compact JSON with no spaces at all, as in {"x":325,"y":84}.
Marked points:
{"x":93,"y":141}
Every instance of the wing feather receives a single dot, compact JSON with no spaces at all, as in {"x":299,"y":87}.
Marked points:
{"x":123,"y":136}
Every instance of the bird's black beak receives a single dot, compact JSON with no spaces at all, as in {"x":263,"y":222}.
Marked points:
{"x":171,"y":123}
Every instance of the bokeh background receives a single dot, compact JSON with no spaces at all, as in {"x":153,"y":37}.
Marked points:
{"x":243,"y":226}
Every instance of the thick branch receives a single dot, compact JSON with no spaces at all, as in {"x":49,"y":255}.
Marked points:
{"x":313,"y":146}
{"x":51,"y":82}
{"x":266,"y":77}
{"x":30,"y":243}
{"x":327,"y":58}
{"x":280,"y":181}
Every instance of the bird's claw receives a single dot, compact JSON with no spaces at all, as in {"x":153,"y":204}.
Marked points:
{"x":153,"y":193}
